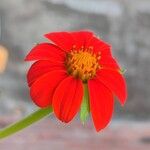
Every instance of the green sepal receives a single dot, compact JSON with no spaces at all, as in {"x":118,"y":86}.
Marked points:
{"x":85,"y":106}
{"x":123,"y":70}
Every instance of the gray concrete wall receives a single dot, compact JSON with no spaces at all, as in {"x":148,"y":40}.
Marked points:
{"x":123,"y":23}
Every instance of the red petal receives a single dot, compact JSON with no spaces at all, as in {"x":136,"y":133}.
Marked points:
{"x":101,"y":104}
{"x":45,"y":51}
{"x":100,"y":46}
{"x":63,"y":40}
{"x":67,"y":98}
{"x":41,"y":67}
{"x":115,"y":82}
{"x":108,"y":62}
{"x":81,"y":38}
{"x":42,"y":90}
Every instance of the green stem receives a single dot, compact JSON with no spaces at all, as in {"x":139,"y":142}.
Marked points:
{"x":27,"y":121}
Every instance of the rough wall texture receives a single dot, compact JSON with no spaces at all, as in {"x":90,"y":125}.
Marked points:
{"x":125,"y":24}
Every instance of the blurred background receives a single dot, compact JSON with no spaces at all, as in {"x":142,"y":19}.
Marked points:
{"x":123,"y":23}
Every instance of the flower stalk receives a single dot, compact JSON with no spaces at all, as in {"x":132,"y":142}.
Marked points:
{"x":24,"y":123}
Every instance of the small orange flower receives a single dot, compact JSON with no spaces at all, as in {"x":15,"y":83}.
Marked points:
{"x":3,"y":58}
{"x":76,"y":70}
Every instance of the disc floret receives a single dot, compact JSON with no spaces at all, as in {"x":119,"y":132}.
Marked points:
{"x":83,"y":63}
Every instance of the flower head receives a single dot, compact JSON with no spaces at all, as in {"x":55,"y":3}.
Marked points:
{"x":76,"y":71}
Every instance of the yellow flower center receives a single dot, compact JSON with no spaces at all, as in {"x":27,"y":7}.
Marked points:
{"x":83,"y":63}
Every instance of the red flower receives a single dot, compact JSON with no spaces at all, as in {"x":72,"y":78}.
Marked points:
{"x":62,"y":67}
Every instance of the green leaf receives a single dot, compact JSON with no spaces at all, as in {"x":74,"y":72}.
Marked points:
{"x":85,"y":106}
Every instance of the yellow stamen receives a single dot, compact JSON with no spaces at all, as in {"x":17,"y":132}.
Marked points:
{"x":83,"y":63}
